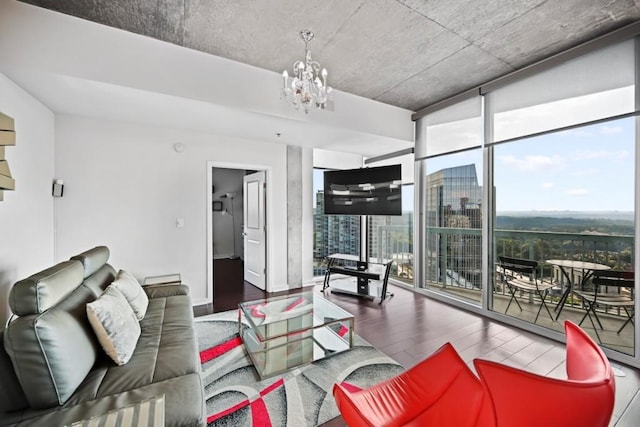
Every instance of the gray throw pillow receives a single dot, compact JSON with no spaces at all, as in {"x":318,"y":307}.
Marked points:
{"x":114,"y":324}
{"x":133,"y":292}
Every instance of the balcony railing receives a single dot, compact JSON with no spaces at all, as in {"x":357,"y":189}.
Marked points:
{"x":394,"y":242}
{"x":454,"y":254}
{"x":454,"y":266}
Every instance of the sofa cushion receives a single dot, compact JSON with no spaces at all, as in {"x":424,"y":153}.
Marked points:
{"x":149,"y":413}
{"x":167,"y":348}
{"x":115,"y":324}
{"x":93,"y":259}
{"x":184,"y":398}
{"x":132,"y":291}
{"x":52,"y":352}
{"x":41,"y":291}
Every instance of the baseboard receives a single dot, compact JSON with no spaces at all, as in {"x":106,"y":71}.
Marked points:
{"x":200,"y":301}
{"x":279,"y":289}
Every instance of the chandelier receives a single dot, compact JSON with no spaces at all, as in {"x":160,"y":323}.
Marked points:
{"x":308,"y":85}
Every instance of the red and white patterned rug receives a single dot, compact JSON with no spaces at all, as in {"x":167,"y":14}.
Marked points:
{"x":300,"y":397}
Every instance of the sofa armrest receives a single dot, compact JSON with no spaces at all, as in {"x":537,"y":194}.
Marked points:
{"x":163,"y":291}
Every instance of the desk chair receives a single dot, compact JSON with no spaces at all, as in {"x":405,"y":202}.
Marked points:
{"x":612,"y":289}
{"x":522,"y":275}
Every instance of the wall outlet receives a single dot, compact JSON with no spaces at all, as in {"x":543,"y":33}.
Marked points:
{"x":179,"y":222}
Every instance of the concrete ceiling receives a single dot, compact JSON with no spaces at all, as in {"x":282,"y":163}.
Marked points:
{"x":407,"y":53}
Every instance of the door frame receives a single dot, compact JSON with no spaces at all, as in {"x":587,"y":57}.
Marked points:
{"x":209,"y":215}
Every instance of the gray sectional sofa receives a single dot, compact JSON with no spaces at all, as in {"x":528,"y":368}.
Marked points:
{"x":53,"y":371}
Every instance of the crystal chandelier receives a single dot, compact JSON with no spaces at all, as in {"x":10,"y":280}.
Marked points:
{"x":308,"y":85}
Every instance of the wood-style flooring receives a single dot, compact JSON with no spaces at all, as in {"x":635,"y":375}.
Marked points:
{"x":408,"y":327}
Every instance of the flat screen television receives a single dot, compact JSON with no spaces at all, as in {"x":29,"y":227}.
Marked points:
{"x":366,"y":191}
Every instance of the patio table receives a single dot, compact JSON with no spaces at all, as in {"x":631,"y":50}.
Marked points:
{"x":567,"y":268}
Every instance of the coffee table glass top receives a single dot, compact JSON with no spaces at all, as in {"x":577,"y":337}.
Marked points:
{"x":288,"y":331}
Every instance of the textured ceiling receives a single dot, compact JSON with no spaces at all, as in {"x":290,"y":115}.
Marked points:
{"x":408,"y":53}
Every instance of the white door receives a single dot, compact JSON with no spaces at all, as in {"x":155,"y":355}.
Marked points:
{"x":254,"y":233}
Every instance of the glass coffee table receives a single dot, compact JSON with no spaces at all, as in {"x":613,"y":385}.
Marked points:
{"x":284,"y":332}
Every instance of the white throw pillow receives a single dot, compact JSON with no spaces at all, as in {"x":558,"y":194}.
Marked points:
{"x":115,"y":325}
{"x":133,"y":292}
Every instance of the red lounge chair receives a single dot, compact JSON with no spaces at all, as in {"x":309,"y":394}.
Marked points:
{"x":585,"y":398}
{"x":440,"y":391}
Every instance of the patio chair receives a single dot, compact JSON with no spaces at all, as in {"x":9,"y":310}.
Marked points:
{"x":611,"y":289}
{"x":524,"y":399}
{"x":521,"y":275}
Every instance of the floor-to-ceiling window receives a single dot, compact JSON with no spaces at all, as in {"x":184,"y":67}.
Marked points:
{"x":391,"y":237}
{"x":453,"y":219}
{"x":453,"y":205}
{"x":541,"y":168}
{"x":563,"y":146}
{"x":568,"y":196}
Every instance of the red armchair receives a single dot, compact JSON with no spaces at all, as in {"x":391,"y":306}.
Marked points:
{"x":440,"y":391}
{"x":523,"y":399}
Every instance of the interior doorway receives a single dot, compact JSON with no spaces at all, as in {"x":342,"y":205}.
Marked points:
{"x":227,"y":213}
{"x":227,"y":230}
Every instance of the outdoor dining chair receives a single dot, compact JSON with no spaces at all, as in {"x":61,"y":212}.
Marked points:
{"x":521,"y":275}
{"x":611,"y":289}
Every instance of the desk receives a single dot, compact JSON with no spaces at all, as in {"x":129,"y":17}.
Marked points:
{"x":362,"y":273}
{"x":566,"y":266}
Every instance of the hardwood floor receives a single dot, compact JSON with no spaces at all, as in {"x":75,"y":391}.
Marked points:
{"x":409,"y":326}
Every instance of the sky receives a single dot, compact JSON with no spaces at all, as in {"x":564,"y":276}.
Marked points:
{"x":584,"y":169}
{"x":589,"y":168}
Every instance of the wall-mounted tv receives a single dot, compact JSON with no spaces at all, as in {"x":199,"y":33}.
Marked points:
{"x":367,"y":191}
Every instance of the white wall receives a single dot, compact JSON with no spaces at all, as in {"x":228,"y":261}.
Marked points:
{"x":26,"y":214}
{"x":225,"y":227}
{"x":125,"y":187}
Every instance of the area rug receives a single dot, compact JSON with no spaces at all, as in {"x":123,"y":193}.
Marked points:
{"x":300,"y":397}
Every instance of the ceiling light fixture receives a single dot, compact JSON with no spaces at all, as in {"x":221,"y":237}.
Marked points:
{"x":308,"y":83}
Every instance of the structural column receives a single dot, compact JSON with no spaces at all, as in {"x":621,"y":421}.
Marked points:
{"x":294,"y":216}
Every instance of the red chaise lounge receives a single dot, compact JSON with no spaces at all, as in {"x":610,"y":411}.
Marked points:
{"x":442,"y":391}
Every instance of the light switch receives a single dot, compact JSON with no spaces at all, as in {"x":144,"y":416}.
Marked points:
{"x":180,"y":222}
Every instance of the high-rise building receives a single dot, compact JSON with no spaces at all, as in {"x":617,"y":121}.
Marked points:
{"x":389,"y":237}
{"x":454,"y":202}
{"x":333,"y":234}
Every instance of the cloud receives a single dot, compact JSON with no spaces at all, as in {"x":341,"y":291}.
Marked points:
{"x":600,"y":154}
{"x":533,"y":162}
{"x":577,"y":192}
{"x":548,"y":185}
{"x":610,"y":130}
{"x":586,"y":172}
{"x":579,"y":133}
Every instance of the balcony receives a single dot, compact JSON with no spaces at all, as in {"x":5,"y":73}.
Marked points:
{"x":453,"y":266}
